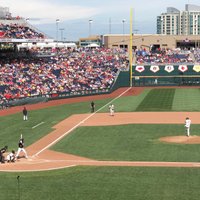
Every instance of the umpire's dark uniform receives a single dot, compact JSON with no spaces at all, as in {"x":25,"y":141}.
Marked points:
{"x":92,"y":105}
{"x":2,"y":151}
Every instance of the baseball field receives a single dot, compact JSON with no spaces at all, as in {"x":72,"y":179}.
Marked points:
{"x":140,"y":153}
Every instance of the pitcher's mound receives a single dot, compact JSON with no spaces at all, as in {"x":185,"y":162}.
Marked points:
{"x":182,"y":139}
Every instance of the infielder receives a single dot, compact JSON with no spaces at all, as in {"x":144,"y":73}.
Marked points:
{"x":111,"y":109}
{"x":187,"y":126}
{"x":21,"y":147}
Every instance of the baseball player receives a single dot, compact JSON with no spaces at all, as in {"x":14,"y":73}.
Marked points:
{"x":21,"y":147}
{"x":11,"y":157}
{"x":25,"y":114}
{"x":111,"y":109}
{"x":187,"y":126}
{"x":2,"y":151}
{"x":92,"y":105}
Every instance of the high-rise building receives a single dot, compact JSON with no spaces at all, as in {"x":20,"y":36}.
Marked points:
{"x":4,"y":12}
{"x":175,"y":22}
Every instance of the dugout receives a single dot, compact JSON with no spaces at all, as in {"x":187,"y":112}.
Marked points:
{"x":166,"y":75}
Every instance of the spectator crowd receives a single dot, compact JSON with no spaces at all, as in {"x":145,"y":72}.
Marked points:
{"x":159,"y":56}
{"x":67,"y":72}
{"x":19,"y":31}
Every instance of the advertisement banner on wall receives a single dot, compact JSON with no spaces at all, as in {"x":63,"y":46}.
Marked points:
{"x":183,"y":68}
{"x":196,"y":68}
{"x":139,"y":68}
{"x":169,"y":68}
{"x":154,"y":68}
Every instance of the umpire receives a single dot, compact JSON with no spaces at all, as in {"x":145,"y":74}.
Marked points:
{"x":25,"y":114}
{"x":92,"y":105}
{"x":2,"y":151}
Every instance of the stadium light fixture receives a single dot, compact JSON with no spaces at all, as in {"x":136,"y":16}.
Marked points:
{"x":61,"y":30}
{"x":123,"y":22}
{"x":57,"y":22}
{"x":90,"y":26}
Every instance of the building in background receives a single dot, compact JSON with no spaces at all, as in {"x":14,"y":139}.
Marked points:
{"x":4,"y":13}
{"x":175,"y":22}
{"x":152,"y":41}
{"x":91,"y":41}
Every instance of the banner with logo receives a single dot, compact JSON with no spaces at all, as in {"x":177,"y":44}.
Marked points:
{"x":196,"y":68}
{"x":169,"y":68}
{"x":139,"y":68}
{"x":154,"y":68}
{"x":182,"y":68}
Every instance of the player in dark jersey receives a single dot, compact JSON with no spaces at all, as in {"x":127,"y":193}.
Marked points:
{"x":21,"y":148}
{"x":2,"y":151}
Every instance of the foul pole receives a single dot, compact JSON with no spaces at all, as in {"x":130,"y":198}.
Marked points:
{"x":131,"y":46}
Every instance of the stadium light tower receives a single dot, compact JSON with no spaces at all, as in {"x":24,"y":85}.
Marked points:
{"x":57,"y":22}
{"x":61,"y":30}
{"x":90,"y":26}
{"x":123,"y":22}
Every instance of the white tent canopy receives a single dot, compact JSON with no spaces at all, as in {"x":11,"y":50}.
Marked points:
{"x":93,"y":45}
{"x":48,"y":45}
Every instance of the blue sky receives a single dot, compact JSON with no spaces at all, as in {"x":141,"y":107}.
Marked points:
{"x":74,"y":15}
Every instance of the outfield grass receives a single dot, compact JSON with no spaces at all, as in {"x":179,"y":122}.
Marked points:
{"x":129,"y":142}
{"x":181,"y":99}
{"x":188,"y":100}
{"x":103,"y":183}
{"x":159,"y":99}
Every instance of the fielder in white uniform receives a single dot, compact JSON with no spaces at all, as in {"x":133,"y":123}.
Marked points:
{"x":187,"y":126}
{"x":21,"y":148}
{"x":111,"y":109}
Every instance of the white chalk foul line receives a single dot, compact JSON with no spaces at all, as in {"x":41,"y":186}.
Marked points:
{"x":38,"y":125}
{"x":82,"y":121}
{"x":38,"y":170}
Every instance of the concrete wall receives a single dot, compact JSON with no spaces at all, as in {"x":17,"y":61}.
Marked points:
{"x":146,"y":40}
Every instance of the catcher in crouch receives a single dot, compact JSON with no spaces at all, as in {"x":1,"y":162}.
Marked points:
{"x":21,"y":147}
{"x":11,"y":156}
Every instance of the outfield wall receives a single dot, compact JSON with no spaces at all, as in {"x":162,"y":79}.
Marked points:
{"x":161,"y":75}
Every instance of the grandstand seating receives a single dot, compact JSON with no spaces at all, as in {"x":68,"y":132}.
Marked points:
{"x":163,"y":56}
{"x":71,"y":71}
{"x":18,"y":31}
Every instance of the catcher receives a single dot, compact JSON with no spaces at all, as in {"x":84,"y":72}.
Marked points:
{"x":11,"y":157}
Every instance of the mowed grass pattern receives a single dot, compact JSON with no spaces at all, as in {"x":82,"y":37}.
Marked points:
{"x":186,"y":100}
{"x":157,"y":100}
